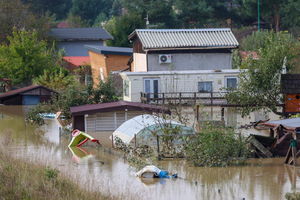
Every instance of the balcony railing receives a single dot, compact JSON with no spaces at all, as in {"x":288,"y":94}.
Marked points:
{"x":203,"y":98}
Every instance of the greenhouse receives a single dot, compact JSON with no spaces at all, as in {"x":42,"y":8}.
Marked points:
{"x":144,"y":129}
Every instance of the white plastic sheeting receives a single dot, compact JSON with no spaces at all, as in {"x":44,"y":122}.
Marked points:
{"x":132,"y":127}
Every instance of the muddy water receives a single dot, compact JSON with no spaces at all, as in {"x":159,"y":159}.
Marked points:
{"x":100,"y":169}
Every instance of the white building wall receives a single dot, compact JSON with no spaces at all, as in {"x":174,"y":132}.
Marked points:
{"x":190,"y":61}
{"x":139,"y":62}
{"x":175,"y":82}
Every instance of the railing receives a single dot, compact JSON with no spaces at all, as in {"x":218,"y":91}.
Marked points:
{"x":204,"y":98}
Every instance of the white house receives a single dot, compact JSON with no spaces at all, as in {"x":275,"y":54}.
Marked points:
{"x":178,"y":61}
{"x":182,"y":49}
{"x":200,"y":81}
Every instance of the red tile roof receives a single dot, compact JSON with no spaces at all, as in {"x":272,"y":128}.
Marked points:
{"x":22,"y":90}
{"x":249,"y":54}
{"x":78,"y":60}
{"x":114,"y":106}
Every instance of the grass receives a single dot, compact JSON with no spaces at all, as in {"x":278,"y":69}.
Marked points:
{"x":21,"y":180}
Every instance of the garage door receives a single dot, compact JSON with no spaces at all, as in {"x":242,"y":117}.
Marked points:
{"x":100,"y":122}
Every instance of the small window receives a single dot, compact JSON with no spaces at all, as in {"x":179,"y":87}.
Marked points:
{"x":231,"y":82}
{"x":126,"y":88}
{"x":205,"y":86}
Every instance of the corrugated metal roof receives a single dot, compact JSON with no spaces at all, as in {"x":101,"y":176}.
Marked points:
{"x":291,"y":123}
{"x":185,"y":38}
{"x":80,"y":34}
{"x":110,"y":50}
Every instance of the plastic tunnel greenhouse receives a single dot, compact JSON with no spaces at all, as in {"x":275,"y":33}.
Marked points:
{"x":145,"y":128}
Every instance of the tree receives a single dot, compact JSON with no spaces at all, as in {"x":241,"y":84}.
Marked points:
{"x":59,"y":8}
{"x":259,"y":85}
{"x":193,"y":14}
{"x":88,"y":10}
{"x":121,"y":27}
{"x":14,"y":14}
{"x":26,"y":57}
{"x":160,"y":12}
{"x":58,"y":80}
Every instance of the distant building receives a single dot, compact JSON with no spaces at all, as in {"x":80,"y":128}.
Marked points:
{"x":30,"y":95}
{"x":105,"y":60}
{"x":72,"y":40}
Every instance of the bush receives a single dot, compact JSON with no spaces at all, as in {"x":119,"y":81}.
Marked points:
{"x":216,"y":146}
{"x":292,"y":196}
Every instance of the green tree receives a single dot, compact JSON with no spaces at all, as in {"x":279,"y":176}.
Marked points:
{"x":59,"y":8}
{"x":193,"y":14}
{"x":160,"y":12}
{"x":88,"y":10}
{"x":26,"y":57}
{"x":121,"y":27}
{"x":15,"y":15}
{"x":58,"y":80}
{"x":259,"y":85}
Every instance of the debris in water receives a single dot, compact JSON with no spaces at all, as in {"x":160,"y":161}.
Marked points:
{"x":79,"y":138}
{"x":151,"y":171}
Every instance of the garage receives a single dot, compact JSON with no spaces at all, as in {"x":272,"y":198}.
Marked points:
{"x":108,"y":116}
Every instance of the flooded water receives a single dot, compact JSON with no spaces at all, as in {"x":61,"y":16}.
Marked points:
{"x":103,"y":170}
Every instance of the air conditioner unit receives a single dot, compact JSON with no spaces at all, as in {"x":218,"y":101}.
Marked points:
{"x":165,"y":59}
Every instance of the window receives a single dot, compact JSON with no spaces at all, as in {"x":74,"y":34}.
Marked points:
{"x":151,"y":87}
{"x":126,"y":88}
{"x":205,"y":86}
{"x":231,"y":82}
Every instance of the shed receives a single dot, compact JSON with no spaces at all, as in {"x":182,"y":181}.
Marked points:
{"x":145,"y":127}
{"x":291,"y":91}
{"x":109,"y":116}
{"x":30,"y":95}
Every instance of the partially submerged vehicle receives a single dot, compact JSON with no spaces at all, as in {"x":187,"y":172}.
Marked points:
{"x":144,"y":129}
{"x":79,"y":138}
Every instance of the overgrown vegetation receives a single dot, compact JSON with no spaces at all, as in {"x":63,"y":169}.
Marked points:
{"x":259,"y":85}
{"x":292,"y":196}
{"x":74,"y":95}
{"x":216,"y":146}
{"x":20,"y":180}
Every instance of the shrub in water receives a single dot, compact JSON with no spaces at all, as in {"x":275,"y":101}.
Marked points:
{"x":217,"y":146}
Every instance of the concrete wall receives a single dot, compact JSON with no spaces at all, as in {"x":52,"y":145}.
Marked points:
{"x":139,"y":62}
{"x":107,"y":63}
{"x":190,"y":61}
{"x":174,"y":82}
{"x":76,"y":48}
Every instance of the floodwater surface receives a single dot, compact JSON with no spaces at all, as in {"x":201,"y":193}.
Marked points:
{"x":102,"y":170}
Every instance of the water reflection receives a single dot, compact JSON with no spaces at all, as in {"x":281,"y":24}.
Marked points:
{"x":103,"y":170}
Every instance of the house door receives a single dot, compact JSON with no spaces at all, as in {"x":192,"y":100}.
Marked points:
{"x":151,"y":87}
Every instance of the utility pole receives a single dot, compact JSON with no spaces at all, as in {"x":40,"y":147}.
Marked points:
{"x":258,"y":15}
